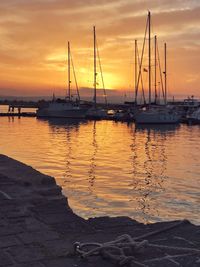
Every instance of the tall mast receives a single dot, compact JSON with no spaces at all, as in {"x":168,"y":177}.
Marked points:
{"x":69,"y":72}
{"x":155,"y":68}
{"x":149,"y":20}
{"x":165,"y":72}
{"x":95,"y":71}
{"x":136,"y":72}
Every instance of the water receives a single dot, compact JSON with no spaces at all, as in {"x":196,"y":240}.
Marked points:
{"x":106,"y":168}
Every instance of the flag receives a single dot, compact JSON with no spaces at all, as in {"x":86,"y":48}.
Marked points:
{"x":145,"y":70}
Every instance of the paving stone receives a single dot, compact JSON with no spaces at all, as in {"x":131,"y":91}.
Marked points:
{"x":55,"y":218}
{"x":23,"y":254}
{"x":77,"y":262}
{"x":5,"y":259}
{"x":58,"y":248}
{"x":33,"y":224}
{"x":50,"y":208}
{"x":61,"y":262}
{"x":30,"y":264}
{"x":8,"y":241}
{"x":16,"y":214}
{"x":10,"y":230}
{"x":28,"y":238}
{"x":49,"y":191}
{"x":190,"y":260}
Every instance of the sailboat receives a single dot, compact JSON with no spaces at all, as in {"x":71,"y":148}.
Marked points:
{"x":95,"y":112}
{"x":64,"y":108}
{"x":194,"y":118}
{"x":155,"y":114}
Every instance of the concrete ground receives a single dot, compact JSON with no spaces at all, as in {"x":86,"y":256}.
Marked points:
{"x":38,"y":228}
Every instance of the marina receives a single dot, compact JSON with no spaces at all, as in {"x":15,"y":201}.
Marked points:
{"x":116,"y":112}
{"x":99,"y":130}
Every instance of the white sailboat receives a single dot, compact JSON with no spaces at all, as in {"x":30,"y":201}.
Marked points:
{"x":95,"y":112}
{"x":194,"y":118}
{"x":64,"y":108}
{"x":155,"y":114}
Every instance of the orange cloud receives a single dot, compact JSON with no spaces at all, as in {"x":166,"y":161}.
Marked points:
{"x":34,"y":37}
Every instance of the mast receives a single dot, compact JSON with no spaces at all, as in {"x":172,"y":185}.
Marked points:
{"x":69,"y":72}
{"x":102,"y":79}
{"x":165,"y":72}
{"x":149,"y":22}
{"x":135,"y":72}
{"x":155,"y":68}
{"x":95,"y":72}
{"x":140,"y":61}
{"x":74,"y":74}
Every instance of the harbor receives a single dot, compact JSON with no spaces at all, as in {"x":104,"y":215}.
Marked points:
{"x":99,"y":130}
{"x":123,"y":112}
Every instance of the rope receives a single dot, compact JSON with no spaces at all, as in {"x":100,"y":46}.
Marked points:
{"x":123,"y":249}
{"x":120,"y":251}
{"x":6,"y":195}
{"x":167,"y":228}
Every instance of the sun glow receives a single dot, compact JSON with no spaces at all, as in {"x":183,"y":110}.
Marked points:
{"x":33,"y":52}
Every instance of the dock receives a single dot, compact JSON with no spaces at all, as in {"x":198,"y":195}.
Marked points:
{"x":15,"y":108}
{"x":21,"y":114}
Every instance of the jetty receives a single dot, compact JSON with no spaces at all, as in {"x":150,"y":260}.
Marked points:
{"x":18,"y":114}
{"x":38,"y":228}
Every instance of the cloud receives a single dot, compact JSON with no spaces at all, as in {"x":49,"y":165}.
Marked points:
{"x":34,"y":37}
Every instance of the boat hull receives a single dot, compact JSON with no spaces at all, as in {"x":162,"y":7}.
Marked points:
{"x":193,"y":121}
{"x":156,"y":117}
{"x":62,"y":113}
{"x":62,"y":110}
{"x":96,"y":114}
{"x":194,"y":118}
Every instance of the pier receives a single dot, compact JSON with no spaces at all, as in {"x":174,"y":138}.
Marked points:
{"x":19,"y":114}
{"x":15,"y":108}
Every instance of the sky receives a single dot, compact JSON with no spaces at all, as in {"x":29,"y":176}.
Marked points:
{"x":34,"y":36}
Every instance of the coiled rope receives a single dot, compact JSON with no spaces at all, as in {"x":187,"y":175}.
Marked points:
{"x":120,"y":251}
{"x":124,"y":248}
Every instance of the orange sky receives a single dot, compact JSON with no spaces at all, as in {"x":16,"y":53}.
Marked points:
{"x":34,"y":35}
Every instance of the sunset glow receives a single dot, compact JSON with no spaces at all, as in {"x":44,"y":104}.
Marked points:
{"x":34,"y":35}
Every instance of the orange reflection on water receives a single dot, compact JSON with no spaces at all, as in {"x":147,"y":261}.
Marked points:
{"x":108,"y":168}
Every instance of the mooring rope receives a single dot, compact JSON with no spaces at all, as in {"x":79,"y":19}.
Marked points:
{"x":124,"y":249}
{"x":6,"y":195}
{"x":121,"y":250}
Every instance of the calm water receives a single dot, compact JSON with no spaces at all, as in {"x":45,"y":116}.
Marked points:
{"x":107,"y":168}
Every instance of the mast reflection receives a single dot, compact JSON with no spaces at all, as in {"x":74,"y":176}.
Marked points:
{"x":149,"y":164}
{"x":69,"y":128}
{"x":92,"y":160}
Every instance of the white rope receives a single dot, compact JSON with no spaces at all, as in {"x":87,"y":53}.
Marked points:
{"x":5,"y":195}
{"x":124,"y":248}
{"x":121,"y":250}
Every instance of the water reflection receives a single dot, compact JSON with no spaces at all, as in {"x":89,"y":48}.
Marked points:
{"x":149,"y":165}
{"x":92,"y":166}
{"x":162,"y":128}
{"x":68,"y":129}
{"x":62,"y":122}
{"x":109,"y":168}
